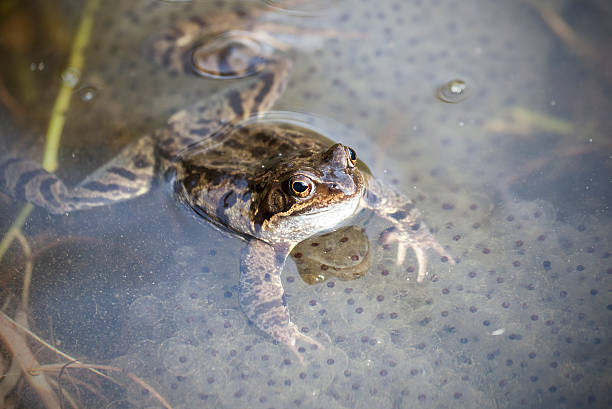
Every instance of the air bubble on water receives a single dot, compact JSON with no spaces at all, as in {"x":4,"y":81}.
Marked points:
{"x":71,"y":76}
{"x":453,"y":91}
{"x":88,"y":93}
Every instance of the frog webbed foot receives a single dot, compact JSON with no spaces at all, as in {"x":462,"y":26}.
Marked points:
{"x":262,"y":297}
{"x":417,"y":238}
{"x":407,"y":229}
{"x":290,"y":334}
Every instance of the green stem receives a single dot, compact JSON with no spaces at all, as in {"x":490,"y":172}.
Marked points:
{"x":15,"y":227}
{"x":58,"y":114}
{"x":62,"y":102}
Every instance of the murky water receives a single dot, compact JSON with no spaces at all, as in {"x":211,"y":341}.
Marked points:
{"x":487,"y":113}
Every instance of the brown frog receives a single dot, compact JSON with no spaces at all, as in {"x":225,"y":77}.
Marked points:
{"x":272,"y":184}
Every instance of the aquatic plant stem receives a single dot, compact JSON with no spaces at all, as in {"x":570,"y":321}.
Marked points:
{"x":62,"y":102}
{"x":58,"y":114}
{"x":15,"y":228}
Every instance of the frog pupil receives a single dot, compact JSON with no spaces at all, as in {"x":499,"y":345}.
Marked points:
{"x":300,"y":187}
{"x":352,"y":154}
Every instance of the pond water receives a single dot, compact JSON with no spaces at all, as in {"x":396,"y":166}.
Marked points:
{"x":493,"y":116}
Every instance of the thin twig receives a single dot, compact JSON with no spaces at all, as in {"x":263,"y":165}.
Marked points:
{"x":69,"y":398}
{"x":573,"y":40}
{"x":15,"y":342}
{"x":59,"y":382}
{"x":15,"y":227}
{"x":27,"y":273}
{"x":78,"y":382}
{"x":45,"y":343}
{"x":13,"y":374}
{"x":130,"y":375}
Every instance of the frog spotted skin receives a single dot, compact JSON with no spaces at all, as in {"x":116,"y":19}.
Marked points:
{"x":271,"y":184}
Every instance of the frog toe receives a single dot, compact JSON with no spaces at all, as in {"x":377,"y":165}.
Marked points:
{"x":442,"y":251}
{"x":419,"y":244}
{"x":291,"y":335}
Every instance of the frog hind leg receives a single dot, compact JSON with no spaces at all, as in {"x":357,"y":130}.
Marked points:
{"x":172,"y":47}
{"x":255,"y":92}
{"x":202,"y":123}
{"x":262,"y":297}
{"x":128,"y":175}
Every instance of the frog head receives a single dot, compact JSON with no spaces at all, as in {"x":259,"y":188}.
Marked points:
{"x":307,"y":193}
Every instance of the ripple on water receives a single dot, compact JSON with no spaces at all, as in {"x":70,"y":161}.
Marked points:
{"x":302,"y":8}
{"x":88,"y":93}
{"x":455,"y":90}
{"x":233,"y":54}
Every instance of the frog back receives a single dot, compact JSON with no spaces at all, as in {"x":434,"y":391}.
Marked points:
{"x":220,"y":177}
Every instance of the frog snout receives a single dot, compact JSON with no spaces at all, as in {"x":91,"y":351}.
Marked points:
{"x":343,"y":183}
{"x":336,"y":156}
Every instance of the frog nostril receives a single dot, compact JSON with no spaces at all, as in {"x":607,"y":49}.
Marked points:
{"x":336,"y":155}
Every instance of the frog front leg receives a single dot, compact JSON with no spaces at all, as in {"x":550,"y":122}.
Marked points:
{"x":128,"y":175}
{"x":408,"y":229}
{"x":262,"y":297}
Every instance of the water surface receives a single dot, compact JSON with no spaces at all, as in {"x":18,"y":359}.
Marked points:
{"x":513,"y":176}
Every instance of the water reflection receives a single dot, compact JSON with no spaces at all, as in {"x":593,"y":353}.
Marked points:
{"x":343,"y":253}
{"x":513,"y":179}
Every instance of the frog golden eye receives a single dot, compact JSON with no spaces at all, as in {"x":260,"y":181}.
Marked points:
{"x":351,"y":155}
{"x":300,"y":186}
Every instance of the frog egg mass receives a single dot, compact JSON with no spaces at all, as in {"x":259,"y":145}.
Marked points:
{"x":379,"y":207}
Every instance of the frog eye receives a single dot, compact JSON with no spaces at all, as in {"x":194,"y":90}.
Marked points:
{"x":301,"y":186}
{"x":352,"y":156}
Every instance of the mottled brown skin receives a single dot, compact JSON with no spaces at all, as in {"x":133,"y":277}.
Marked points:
{"x":272,"y":184}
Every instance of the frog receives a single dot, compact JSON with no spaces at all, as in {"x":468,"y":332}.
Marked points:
{"x":271,"y":184}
